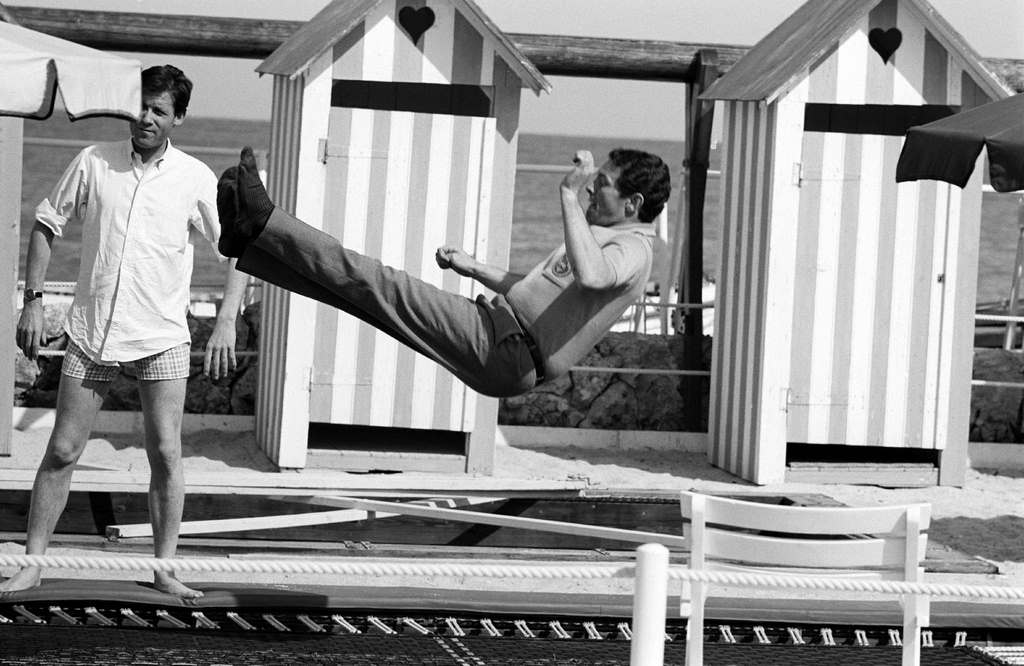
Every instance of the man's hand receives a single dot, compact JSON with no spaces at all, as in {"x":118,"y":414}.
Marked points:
{"x":220,"y":350}
{"x":29,"y":334}
{"x":453,"y":258}
{"x":583,"y":170}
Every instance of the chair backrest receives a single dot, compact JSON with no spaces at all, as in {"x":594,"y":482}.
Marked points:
{"x":889,"y":540}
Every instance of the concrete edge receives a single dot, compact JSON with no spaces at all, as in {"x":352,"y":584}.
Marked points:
{"x":982,"y":455}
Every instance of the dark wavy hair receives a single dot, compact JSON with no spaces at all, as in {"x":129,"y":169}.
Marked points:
{"x":645,"y":173}
{"x":168,"y":79}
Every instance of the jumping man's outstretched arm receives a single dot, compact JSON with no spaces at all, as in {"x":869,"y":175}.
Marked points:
{"x":495,"y":279}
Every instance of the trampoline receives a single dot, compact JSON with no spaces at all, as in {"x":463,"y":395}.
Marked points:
{"x":123,"y":622}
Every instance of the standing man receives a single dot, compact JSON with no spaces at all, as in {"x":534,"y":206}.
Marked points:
{"x":536,"y":326}
{"x":142,"y":204}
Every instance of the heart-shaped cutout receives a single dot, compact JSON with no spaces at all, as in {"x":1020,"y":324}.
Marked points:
{"x":416,"y":21}
{"x":885,"y":42}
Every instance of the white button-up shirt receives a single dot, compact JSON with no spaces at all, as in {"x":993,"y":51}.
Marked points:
{"x":139,"y":225}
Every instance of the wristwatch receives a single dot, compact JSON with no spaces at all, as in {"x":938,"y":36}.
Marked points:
{"x":31,"y":295}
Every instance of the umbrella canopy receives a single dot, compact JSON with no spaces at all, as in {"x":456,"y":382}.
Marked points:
{"x":33,"y":65}
{"x":947,"y":149}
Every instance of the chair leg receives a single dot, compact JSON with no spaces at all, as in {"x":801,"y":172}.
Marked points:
{"x":695,"y":625}
{"x":915,"y":615}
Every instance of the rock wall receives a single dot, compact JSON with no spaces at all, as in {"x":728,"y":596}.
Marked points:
{"x":620,"y":401}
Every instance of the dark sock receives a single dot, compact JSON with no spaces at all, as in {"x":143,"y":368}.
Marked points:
{"x":254,"y":205}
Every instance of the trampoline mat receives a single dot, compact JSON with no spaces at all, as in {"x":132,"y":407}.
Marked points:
{"x":141,"y":647}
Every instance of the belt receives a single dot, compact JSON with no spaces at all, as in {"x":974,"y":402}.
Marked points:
{"x":531,"y":344}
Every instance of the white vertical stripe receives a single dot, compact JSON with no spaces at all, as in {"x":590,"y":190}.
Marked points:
{"x":853,"y":66}
{"x":946,"y":353}
{"x":908,"y":75}
{"x":471,"y":212}
{"x":436,"y":69}
{"x":717,"y":402}
{"x":904,"y":261}
{"x":780,"y":290}
{"x":954,"y":81}
{"x":357,"y":192}
{"x":396,"y":216}
{"x":379,"y":43}
{"x":933,"y":363}
{"x":864,"y":290}
{"x":437,"y":45}
{"x":483,"y":239}
{"x":830,"y":212}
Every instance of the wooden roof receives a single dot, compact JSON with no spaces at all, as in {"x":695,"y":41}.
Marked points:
{"x":339,"y":17}
{"x":780,"y":60}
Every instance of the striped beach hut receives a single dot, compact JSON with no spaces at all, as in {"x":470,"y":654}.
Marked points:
{"x":394,"y":129}
{"x":844,"y":329}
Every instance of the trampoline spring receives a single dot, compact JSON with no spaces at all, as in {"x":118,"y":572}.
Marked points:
{"x":313,"y":626}
{"x":92,"y":612}
{"x":170,"y":619}
{"x":377,"y":624}
{"x":591,"y":630}
{"x":489,"y":627}
{"x":345,"y":624}
{"x":6,"y":620}
{"x":453,"y":627}
{"x":28,"y":615}
{"x":59,"y":612}
{"x":894,"y":637}
{"x":204,"y":622}
{"x":826,"y":636}
{"x":240,"y":621}
{"x":524,"y":629}
{"x":625,"y":631}
{"x":558,"y":630}
{"x":927,"y":639}
{"x":796,"y":637}
{"x":960,"y":639}
{"x":130,"y":615}
{"x":760,"y":635}
{"x":860,"y":637}
{"x":415,"y":626}
{"x":274,"y":622}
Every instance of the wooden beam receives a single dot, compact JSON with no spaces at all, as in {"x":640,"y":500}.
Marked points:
{"x":539,"y":524}
{"x":362,"y":509}
{"x":254,"y":38}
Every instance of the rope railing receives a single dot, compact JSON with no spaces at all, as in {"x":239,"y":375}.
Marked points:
{"x":350,"y":567}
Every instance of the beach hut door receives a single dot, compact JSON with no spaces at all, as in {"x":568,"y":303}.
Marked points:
{"x":868,"y":298}
{"x":399,"y":185}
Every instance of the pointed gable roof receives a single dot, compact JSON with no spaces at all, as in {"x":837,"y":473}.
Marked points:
{"x":339,"y":17}
{"x":778,"y":62}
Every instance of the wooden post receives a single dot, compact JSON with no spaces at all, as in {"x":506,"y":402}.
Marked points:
{"x":10,"y":216}
{"x":701,"y":118}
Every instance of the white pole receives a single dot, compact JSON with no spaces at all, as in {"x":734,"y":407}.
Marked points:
{"x":650,"y":596}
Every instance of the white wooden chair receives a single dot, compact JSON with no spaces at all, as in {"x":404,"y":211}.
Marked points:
{"x":884,"y":542}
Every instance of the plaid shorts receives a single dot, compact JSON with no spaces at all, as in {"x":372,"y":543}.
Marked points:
{"x":170,"y":364}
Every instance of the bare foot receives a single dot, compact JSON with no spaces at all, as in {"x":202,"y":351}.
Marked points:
{"x":24,"y":579}
{"x":168,"y":584}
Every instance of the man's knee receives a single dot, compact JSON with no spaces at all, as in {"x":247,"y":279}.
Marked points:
{"x":63,"y":452}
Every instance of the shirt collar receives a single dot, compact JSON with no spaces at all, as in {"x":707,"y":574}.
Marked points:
{"x":170,"y":152}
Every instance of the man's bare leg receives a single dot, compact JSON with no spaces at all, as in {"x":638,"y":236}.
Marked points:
{"x":78,"y":401}
{"x":162,"y":404}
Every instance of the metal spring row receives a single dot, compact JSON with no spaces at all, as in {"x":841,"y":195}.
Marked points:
{"x":452,"y":626}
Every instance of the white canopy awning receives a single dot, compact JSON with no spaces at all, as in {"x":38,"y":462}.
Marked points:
{"x":34,"y":65}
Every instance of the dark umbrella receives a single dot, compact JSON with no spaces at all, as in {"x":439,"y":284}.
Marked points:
{"x":947,"y":149}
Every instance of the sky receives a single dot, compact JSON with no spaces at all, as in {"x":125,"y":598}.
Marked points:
{"x":577,"y":106}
